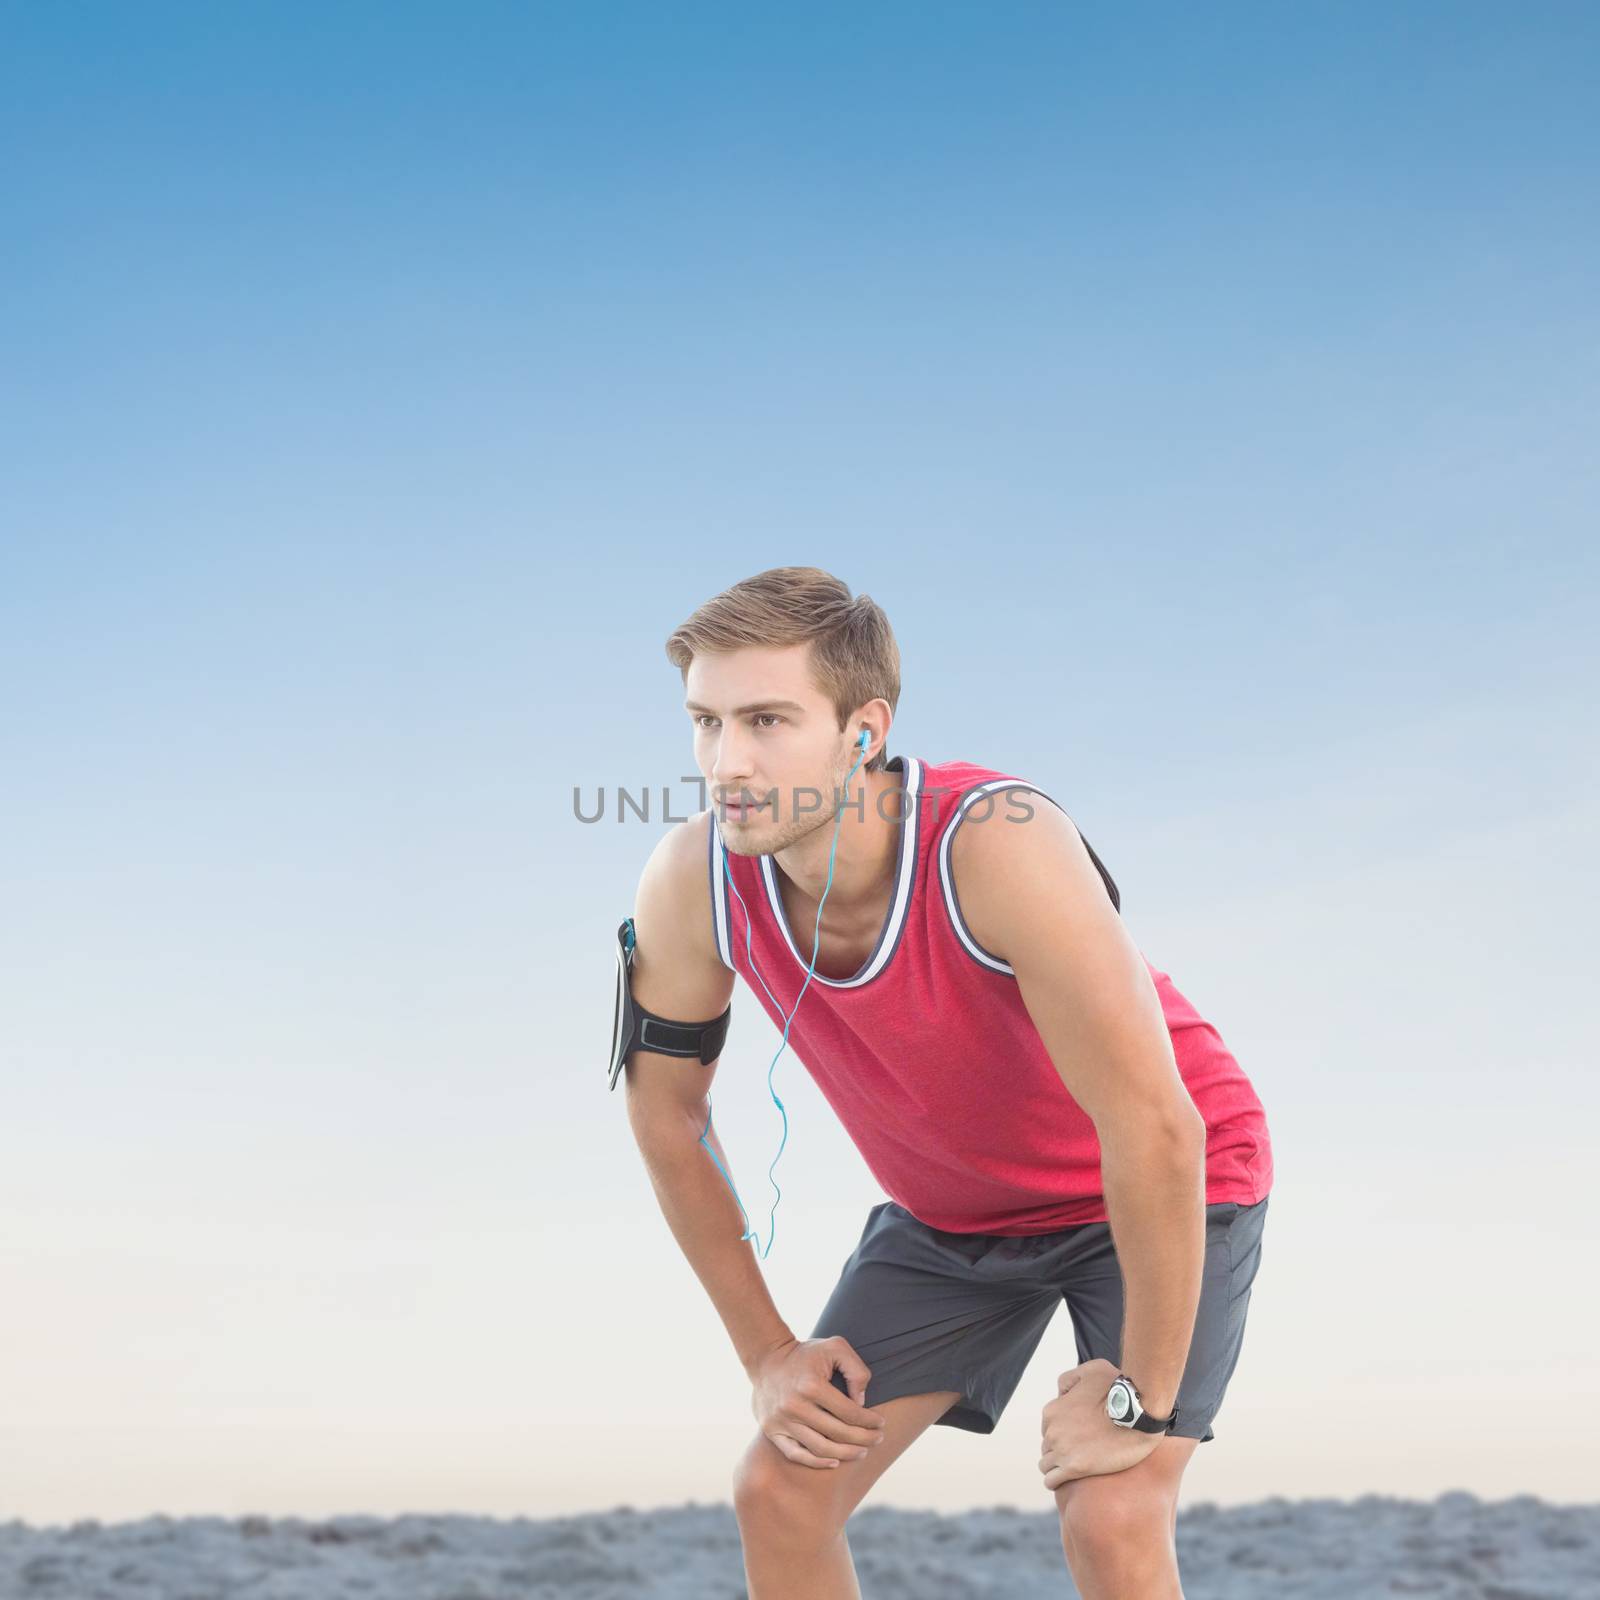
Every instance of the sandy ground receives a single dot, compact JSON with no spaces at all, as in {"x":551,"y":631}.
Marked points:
{"x":1454,"y":1547}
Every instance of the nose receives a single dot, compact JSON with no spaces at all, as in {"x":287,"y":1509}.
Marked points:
{"x":730,"y":768}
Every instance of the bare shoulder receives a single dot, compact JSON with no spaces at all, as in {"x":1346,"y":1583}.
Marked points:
{"x":677,"y":971}
{"x":1020,"y":865}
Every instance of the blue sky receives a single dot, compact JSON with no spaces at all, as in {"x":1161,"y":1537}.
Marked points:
{"x":1209,"y":399}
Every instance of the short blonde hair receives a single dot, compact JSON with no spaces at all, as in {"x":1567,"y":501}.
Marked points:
{"x":853,"y":656}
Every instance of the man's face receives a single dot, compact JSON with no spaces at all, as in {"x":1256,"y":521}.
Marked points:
{"x":765,"y":734}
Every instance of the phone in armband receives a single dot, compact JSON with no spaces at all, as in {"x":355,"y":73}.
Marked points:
{"x":634,"y":1028}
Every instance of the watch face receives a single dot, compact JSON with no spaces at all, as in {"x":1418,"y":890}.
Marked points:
{"x":1118,"y":1402}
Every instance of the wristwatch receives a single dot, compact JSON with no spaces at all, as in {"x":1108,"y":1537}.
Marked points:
{"x":1124,"y":1409}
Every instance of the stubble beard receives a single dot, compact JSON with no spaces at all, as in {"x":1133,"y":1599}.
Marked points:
{"x":779,"y":834}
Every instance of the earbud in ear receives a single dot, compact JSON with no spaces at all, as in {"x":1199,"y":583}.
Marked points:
{"x":866,"y":737}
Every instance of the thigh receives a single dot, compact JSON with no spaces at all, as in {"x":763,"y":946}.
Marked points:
{"x":1232,"y":1255}
{"x":767,"y":1479}
{"x":930,"y":1312}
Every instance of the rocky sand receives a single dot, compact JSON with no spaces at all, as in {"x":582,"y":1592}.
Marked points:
{"x":1456,"y":1547}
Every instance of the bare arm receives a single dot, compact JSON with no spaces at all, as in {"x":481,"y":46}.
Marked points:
{"x":1031,"y":895}
{"x":677,"y":974}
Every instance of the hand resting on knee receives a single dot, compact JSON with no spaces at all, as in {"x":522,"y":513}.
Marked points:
{"x":803,"y":1414}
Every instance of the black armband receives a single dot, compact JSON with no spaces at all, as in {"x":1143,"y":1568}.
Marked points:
{"x":638,"y":1029}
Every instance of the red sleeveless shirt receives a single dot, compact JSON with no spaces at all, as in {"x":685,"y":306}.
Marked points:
{"x":929,"y":1057}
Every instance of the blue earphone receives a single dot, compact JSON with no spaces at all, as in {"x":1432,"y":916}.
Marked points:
{"x":788,"y":1018}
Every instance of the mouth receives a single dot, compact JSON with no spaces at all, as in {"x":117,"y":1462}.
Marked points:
{"x":737,"y":811}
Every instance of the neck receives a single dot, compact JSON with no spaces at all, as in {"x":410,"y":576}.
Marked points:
{"x":868,"y":828}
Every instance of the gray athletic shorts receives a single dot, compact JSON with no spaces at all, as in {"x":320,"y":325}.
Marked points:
{"x":927,"y":1309}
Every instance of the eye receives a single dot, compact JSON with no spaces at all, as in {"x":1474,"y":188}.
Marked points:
{"x":772,"y":715}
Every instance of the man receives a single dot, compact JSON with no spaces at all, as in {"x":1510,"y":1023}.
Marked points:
{"x":1053,"y":1120}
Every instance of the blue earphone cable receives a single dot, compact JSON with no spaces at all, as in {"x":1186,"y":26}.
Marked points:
{"x":788,"y":1017}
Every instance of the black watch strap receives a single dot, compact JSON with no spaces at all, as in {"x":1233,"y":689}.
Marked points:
{"x":1144,"y":1422}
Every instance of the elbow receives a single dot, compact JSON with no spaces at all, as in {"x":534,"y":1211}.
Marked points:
{"x":667,"y":1120}
{"x":1175,"y":1131}
{"x":1186,"y":1133}
{"x":1190,"y":1127}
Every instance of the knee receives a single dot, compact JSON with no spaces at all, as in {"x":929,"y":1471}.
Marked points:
{"x":1102,"y":1519}
{"x":773,"y":1495}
